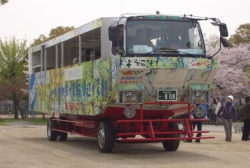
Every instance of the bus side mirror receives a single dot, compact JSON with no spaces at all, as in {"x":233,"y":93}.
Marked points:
{"x":224,"y":42}
{"x":113,"y":33}
{"x":223,"y":30}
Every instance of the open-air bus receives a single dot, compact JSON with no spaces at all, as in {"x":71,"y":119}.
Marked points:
{"x":124,"y":79}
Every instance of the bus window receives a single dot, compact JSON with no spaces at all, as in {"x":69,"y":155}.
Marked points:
{"x":148,"y":36}
{"x":75,"y":50}
{"x":71,"y":51}
{"x":195,"y":41}
{"x":90,"y":42}
{"x":51,"y":59}
{"x":36,"y":61}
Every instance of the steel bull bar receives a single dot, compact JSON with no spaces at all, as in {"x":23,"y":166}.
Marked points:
{"x":157,"y":130}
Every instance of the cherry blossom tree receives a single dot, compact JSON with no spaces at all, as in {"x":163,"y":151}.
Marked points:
{"x":231,"y":76}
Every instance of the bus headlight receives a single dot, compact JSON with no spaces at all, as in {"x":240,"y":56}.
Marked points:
{"x":130,"y":97}
{"x":129,"y":112}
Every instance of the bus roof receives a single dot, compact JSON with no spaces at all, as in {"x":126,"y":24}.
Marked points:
{"x":71,"y":34}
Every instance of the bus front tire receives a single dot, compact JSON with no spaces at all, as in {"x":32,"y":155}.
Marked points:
{"x":172,"y":145}
{"x":105,"y":137}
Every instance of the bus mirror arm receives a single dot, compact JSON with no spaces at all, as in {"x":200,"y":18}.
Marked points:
{"x":223,"y":33}
{"x":120,"y":51}
{"x":210,"y":57}
{"x":224,"y":42}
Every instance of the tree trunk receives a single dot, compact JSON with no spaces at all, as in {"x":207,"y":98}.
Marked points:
{"x":16,"y":106}
{"x":21,"y":111}
{"x":15,"y":110}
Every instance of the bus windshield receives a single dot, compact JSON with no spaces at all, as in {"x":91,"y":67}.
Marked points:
{"x":164,"y":37}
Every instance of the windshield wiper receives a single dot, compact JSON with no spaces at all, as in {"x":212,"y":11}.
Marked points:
{"x":171,"y":50}
{"x":161,"y":50}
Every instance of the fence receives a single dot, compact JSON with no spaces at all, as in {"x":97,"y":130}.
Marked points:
{"x":8,"y":108}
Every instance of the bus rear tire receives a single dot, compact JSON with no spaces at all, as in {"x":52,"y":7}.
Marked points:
{"x":51,"y":134}
{"x":105,"y":137}
{"x":172,"y":145}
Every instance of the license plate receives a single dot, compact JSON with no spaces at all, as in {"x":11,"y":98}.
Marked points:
{"x":167,"y":95}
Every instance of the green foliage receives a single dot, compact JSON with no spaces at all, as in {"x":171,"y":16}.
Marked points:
{"x":59,"y":31}
{"x":39,"y":40}
{"x":53,"y":33}
{"x":38,"y":121}
{"x":12,"y":55}
{"x":242,"y":34}
{"x":2,"y":2}
{"x":6,"y":121}
{"x":12,"y":79}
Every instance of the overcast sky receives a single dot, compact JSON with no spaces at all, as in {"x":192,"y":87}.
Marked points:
{"x":27,"y":19}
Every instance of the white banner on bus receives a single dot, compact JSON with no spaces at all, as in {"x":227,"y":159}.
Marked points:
{"x":170,"y":78}
{"x":73,"y":73}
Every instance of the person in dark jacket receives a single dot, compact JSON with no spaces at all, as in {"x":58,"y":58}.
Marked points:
{"x":228,"y":113}
{"x":246,"y":119}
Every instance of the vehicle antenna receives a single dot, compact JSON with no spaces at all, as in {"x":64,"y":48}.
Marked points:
{"x":121,"y":6}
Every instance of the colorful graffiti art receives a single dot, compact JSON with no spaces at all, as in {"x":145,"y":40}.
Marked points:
{"x":89,"y":87}
{"x":74,"y":89}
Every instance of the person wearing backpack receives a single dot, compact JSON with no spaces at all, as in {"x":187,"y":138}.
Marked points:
{"x":199,"y":112}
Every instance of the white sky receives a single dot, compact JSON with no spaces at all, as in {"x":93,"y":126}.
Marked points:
{"x":27,"y":19}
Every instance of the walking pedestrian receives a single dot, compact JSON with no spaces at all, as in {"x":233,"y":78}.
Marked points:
{"x":218,"y":120}
{"x":246,"y":119}
{"x":227,"y":114}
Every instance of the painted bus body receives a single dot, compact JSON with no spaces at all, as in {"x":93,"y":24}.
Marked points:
{"x":120,"y":91}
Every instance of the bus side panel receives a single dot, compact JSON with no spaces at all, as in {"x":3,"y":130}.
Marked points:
{"x":85,"y":89}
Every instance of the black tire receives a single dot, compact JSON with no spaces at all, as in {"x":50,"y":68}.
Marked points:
{"x":52,"y":135}
{"x":172,"y":145}
{"x":62,"y":136}
{"x":105,"y":137}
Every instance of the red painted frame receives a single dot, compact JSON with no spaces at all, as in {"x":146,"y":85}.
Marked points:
{"x":129,"y":130}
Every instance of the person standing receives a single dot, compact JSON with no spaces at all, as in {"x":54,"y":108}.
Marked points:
{"x":246,"y":119}
{"x":199,"y":112}
{"x":227,"y":114}
{"x":217,"y":109}
{"x":213,"y":107}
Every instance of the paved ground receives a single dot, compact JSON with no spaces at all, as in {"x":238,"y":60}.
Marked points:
{"x":26,"y":146}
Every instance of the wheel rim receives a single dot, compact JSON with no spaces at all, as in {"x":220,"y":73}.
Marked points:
{"x":49,"y":129}
{"x":101,"y":138}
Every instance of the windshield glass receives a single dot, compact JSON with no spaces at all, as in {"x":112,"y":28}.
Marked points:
{"x":163,"y":37}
